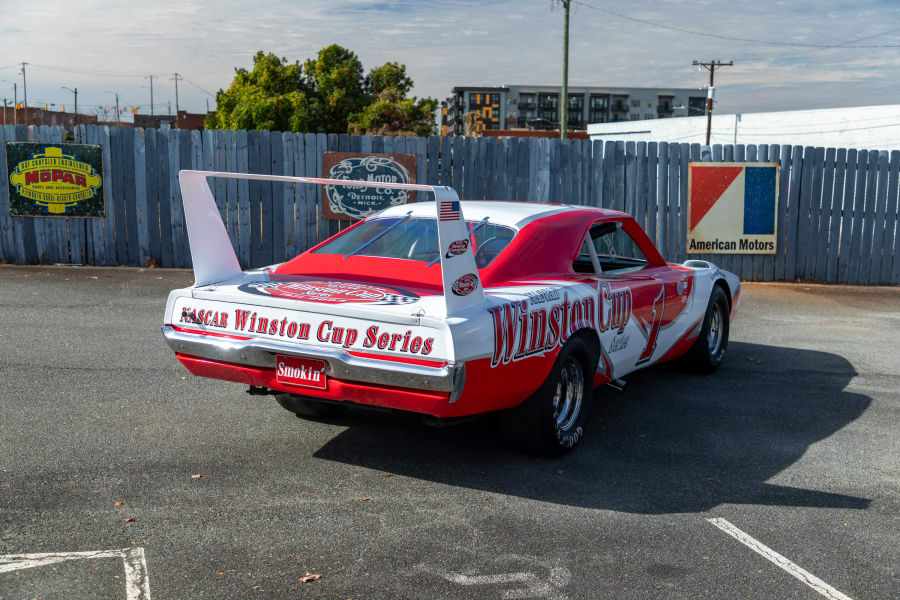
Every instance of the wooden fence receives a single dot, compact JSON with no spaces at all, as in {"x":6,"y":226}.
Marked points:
{"x":837,"y":210}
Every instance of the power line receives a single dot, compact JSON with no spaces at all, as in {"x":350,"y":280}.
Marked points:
{"x":726,"y":37}
{"x":200,"y":88}
{"x":811,"y":50}
{"x":101,"y":73}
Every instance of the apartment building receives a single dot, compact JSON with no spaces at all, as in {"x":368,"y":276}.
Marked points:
{"x":538,"y":107}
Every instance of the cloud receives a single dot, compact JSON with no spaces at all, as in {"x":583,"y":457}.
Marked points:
{"x":447,"y":43}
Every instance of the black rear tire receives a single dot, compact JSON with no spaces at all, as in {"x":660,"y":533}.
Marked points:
{"x":707,"y":353}
{"x":306,"y":407}
{"x":551,"y":421}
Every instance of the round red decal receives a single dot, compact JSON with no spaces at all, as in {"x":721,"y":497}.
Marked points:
{"x":465,"y":285}
{"x":457,"y":247}
{"x":331,"y":292}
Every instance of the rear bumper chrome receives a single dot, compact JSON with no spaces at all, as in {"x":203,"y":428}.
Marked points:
{"x":341,"y":365}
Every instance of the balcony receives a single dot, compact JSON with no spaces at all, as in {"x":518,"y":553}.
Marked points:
{"x":619,"y":107}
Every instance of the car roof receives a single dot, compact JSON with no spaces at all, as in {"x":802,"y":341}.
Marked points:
{"x":509,"y":213}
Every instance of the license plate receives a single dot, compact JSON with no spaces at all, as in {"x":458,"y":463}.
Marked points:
{"x":304,"y":372}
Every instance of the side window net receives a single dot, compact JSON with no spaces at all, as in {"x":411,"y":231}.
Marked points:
{"x":616,"y":251}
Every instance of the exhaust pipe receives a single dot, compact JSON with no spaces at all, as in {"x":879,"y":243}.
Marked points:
{"x":618,"y":384}
{"x":259,"y":390}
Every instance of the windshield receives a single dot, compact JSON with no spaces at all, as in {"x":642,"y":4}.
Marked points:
{"x":415,"y":239}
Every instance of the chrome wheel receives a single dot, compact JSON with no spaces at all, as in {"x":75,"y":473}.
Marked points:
{"x":569,"y":393}
{"x":714,"y":338}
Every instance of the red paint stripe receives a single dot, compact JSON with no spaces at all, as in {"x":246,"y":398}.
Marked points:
{"x":210,"y":333}
{"x":437,"y":364}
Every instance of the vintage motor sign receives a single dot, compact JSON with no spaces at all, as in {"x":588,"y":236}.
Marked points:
{"x":340,"y":202}
{"x":732,"y":208}
{"x":59,"y":180}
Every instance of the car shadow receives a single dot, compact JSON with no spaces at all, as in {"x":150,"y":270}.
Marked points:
{"x":672,"y":442}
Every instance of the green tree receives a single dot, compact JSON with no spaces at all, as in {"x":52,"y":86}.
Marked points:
{"x":327,"y":94}
{"x":336,"y":77}
{"x":389,"y":111}
{"x":274,"y":95}
{"x":390,"y":75}
{"x":392,"y":114}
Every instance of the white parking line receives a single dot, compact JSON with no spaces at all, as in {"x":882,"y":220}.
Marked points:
{"x":137,"y":582}
{"x":763,"y":550}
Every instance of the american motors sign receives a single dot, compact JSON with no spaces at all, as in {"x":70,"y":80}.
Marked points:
{"x":732,"y":208}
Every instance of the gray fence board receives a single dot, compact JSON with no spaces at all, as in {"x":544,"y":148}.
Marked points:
{"x":853,"y":162}
{"x":809,"y":217}
{"x":890,"y":258}
{"x":266,"y":200}
{"x":140,"y":198}
{"x":273,"y":211}
{"x":184,"y":162}
{"x":862,"y":231}
{"x":242,"y":151}
{"x":640,"y":184}
{"x":837,"y":201}
{"x":652,"y":198}
{"x":286,"y":225}
{"x":824,"y":217}
{"x":790,"y":240}
{"x":117,"y":147}
{"x":875,"y":250}
{"x":674,"y":188}
{"x":662,"y":217}
{"x":231,"y":188}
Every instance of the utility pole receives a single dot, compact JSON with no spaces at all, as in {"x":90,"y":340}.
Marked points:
{"x":74,"y":91}
{"x":207,"y":106}
{"x":150,"y":77}
{"x":15,"y":104}
{"x":177,"y":78}
{"x":118,"y":123}
{"x":564,"y":101}
{"x":25,"y":91}
{"x":4,"y":111}
{"x":711,"y":91}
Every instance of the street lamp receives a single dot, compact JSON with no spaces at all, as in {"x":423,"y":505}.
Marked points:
{"x":74,"y":91}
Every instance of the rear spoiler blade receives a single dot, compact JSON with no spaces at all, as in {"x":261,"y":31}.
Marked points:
{"x":214,"y":259}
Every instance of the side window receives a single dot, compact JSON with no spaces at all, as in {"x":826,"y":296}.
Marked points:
{"x":616,"y":251}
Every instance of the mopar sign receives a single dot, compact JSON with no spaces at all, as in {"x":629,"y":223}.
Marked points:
{"x":342,"y":202}
{"x":62,"y":180}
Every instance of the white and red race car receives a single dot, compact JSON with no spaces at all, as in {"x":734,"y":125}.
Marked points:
{"x":449,"y":309}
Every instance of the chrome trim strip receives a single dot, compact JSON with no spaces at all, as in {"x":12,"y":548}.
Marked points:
{"x":341,"y":365}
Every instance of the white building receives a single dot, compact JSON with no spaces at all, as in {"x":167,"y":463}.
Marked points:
{"x":862,"y":127}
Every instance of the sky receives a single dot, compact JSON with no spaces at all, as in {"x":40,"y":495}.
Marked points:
{"x":104,"y":48}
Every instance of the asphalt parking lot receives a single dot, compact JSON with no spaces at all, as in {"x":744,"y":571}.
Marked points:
{"x":795,"y":441}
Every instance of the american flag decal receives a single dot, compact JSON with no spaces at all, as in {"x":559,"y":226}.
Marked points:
{"x":449,"y":210}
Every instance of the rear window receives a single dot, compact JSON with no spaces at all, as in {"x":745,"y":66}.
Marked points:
{"x":416,"y":239}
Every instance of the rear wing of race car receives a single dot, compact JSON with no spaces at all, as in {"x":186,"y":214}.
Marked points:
{"x":215,"y":261}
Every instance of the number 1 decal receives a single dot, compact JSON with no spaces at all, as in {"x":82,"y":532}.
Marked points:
{"x":657,"y":315}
